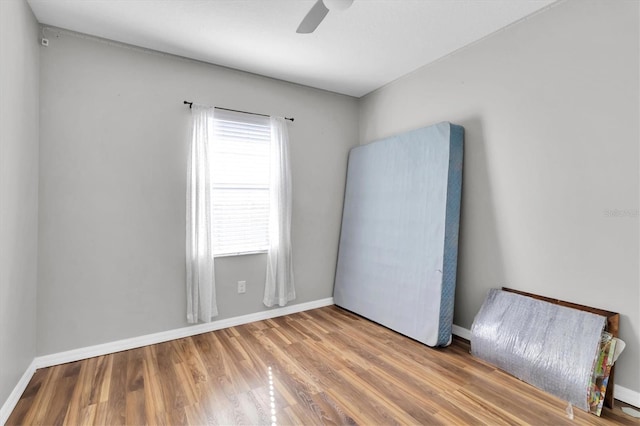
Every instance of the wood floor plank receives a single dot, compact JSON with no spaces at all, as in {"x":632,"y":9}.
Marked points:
{"x":197,"y":414}
{"x":57,"y":409}
{"x":333,"y":414}
{"x":80,"y":394}
{"x":297,"y":415}
{"x":483,"y":411}
{"x":87,"y":416}
{"x":45,"y":394}
{"x":153,"y":390}
{"x":406,"y":401}
{"x":26,"y":406}
{"x":211,"y":352}
{"x":173,"y":390}
{"x":382,"y":406}
{"x":326,"y":366}
{"x":116,"y":414}
{"x":253,"y":409}
{"x":102,"y":411}
{"x":135,"y":407}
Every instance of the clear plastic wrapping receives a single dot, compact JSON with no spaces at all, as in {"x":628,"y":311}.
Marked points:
{"x":549,"y":346}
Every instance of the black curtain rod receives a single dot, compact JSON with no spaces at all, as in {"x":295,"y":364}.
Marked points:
{"x":237,"y":110}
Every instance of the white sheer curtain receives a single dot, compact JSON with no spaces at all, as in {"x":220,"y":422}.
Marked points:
{"x":279,"y":286}
{"x":201,"y":294}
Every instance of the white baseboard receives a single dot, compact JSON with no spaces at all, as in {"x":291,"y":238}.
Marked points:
{"x":461,"y":332}
{"x":626,"y":395}
{"x":164,"y":336}
{"x":14,"y":396}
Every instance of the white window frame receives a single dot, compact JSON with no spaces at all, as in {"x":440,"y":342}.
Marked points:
{"x":240,"y":158}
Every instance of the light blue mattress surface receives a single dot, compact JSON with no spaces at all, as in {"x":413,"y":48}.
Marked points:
{"x":399,"y":241}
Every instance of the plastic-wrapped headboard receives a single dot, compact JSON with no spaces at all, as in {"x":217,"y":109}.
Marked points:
{"x":550,"y":346}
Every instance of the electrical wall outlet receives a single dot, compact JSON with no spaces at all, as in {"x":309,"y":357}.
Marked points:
{"x":242,"y":287}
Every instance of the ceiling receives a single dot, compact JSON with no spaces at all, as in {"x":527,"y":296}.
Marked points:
{"x":353,"y":52}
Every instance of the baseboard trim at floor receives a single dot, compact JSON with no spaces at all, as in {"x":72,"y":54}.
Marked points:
{"x":461,"y":332}
{"x":14,"y":396}
{"x":626,"y":395}
{"x":150,"y":339}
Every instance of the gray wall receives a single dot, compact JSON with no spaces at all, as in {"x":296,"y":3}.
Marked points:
{"x":18,"y":191}
{"x":114,"y":144}
{"x":550,"y":108}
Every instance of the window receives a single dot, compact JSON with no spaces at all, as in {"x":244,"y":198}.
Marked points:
{"x":240,"y":160}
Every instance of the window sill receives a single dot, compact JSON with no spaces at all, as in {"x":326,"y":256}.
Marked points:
{"x":240,"y":254}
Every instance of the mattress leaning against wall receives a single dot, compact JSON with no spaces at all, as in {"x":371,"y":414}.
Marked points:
{"x":398,"y":251}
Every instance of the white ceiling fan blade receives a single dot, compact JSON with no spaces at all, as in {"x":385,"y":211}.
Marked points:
{"x":338,"y":4}
{"x":313,"y":18}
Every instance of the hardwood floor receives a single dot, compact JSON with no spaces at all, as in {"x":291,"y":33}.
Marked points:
{"x":325,"y":366}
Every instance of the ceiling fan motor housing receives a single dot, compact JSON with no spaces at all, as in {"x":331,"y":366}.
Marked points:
{"x":337,"y":4}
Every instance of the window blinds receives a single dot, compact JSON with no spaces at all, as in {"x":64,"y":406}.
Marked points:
{"x":240,"y":183}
